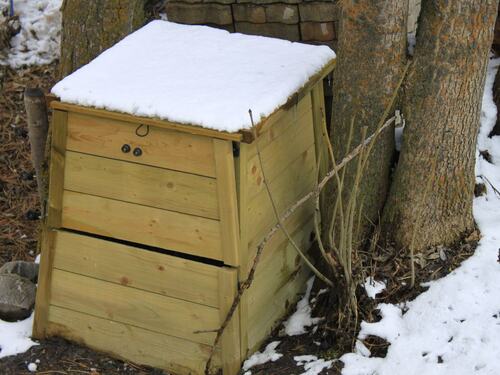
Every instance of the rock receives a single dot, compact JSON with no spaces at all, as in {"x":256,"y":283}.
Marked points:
{"x":17,"y":297}
{"x":28,"y":270}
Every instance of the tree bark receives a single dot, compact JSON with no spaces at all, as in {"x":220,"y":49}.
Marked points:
{"x":91,"y":26}
{"x":371,"y":57}
{"x":431,"y":195}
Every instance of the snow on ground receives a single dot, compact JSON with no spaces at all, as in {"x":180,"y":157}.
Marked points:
{"x":38,"y":41}
{"x":195,"y":75}
{"x":301,"y":318}
{"x":373,"y":287}
{"x":259,"y":358}
{"x":15,"y":337}
{"x":454,"y":327}
{"x":312,"y":364}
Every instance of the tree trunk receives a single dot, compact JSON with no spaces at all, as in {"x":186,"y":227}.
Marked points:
{"x":371,"y":57}
{"x":496,"y":99}
{"x":91,"y":26}
{"x":432,"y":192}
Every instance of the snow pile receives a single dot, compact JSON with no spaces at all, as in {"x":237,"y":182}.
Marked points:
{"x":454,"y":327}
{"x":312,"y":364}
{"x":297,"y":323}
{"x":38,"y":41}
{"x":373,"y":287}
{"x":15,"y":337}
{"x":195,"y":75}
{"x":269,"y":354}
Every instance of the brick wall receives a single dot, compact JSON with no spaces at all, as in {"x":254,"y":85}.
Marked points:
{"x":296,"y":20}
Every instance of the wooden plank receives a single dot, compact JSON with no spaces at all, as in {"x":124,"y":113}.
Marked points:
{"x":164,"y":124}
{"x":137,"y":268}
{"x":319,"y":121}
{"x":242,"y":189}
{"x":40,"y":323}
{"x":56,"y":169}
{"x":288,"y":121}
{"x":228,"y":204}
{"x":230,"y":341}
{"x":146,"y":225}
{"x":284,"y":300}
{"x":160,"y":147}
{"x":277,"y":156}
{"x":131,"y":343}
{"x":294,"y":182}
{"x":141,"y":184}
{"x":276,"y":269}
{"x":135,"y":307}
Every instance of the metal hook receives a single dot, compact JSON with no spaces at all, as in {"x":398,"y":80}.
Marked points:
{"x":139,"y":127}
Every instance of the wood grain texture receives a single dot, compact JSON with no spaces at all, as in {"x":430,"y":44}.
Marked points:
{"x":131,"y":343}
{"x":160,"y":147}
{"x":135,"y":307}
{"x":278,"y":155}
{"x":141,"y":184}
{"x":56,"y":168}
{"x":182,"y":128}
{"x":137,"y":268}
{"x":230,"y":341}
{"x":228,"y":204}
{"x":151,"y":226}
{"x":48,"y":243}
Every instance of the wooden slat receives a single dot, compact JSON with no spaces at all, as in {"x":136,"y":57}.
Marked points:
{"x":278,"y":126}
{"x":230,"y":341}
{"x":56,"y":169}
{"x":276,"y":270}
{"x":295,"y":181}
{"x":242,"y":186}
{"x":146,"y":225}
{"x":137,"y":268}
{"x":284,"y":300}
{"x":184,"y":128}
{"x":320,"y":138}
{"x":131,"y":343}
{"x":141,"y":184}
{"x":228,"y":205}
{"x":160,"y":147}
{"x":126,"y":305}
{"x":47,"y":239}
{"x":277,"y":156}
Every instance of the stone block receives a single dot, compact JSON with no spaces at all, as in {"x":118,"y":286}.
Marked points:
{"x":193,"y":14}
{"x":276,"y":30}
{"x":274,"y":13}
{"x":319,"y":11}
{"x":318,"y":31}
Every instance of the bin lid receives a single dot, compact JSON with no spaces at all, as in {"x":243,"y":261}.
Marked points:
{"x":195,"y":75}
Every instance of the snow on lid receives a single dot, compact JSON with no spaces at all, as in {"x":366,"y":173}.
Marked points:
{"x":194,"y":75}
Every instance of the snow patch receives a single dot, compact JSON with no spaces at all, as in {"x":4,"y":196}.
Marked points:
{"x":15,"y":337}
{"x":38,"y":41}
{"x":268,"y":355}
{"x":373,"y":287}
{"x":195,"y":75}
{"x":301,"y":318}
{"x":312,"y":364}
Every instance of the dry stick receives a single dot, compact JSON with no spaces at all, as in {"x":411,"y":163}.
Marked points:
{"x":315,"y":192}
{"x":38,"y":125}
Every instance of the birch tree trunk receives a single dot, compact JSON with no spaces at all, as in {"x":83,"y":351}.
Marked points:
{"x":431,"y":195}
{"x":370,"y":61}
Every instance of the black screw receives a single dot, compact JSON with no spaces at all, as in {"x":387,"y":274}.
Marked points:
{"x":125,"y":148}
{"x":137,"y":151}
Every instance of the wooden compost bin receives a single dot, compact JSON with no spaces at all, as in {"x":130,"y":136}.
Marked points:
{"x":152,"y":225}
